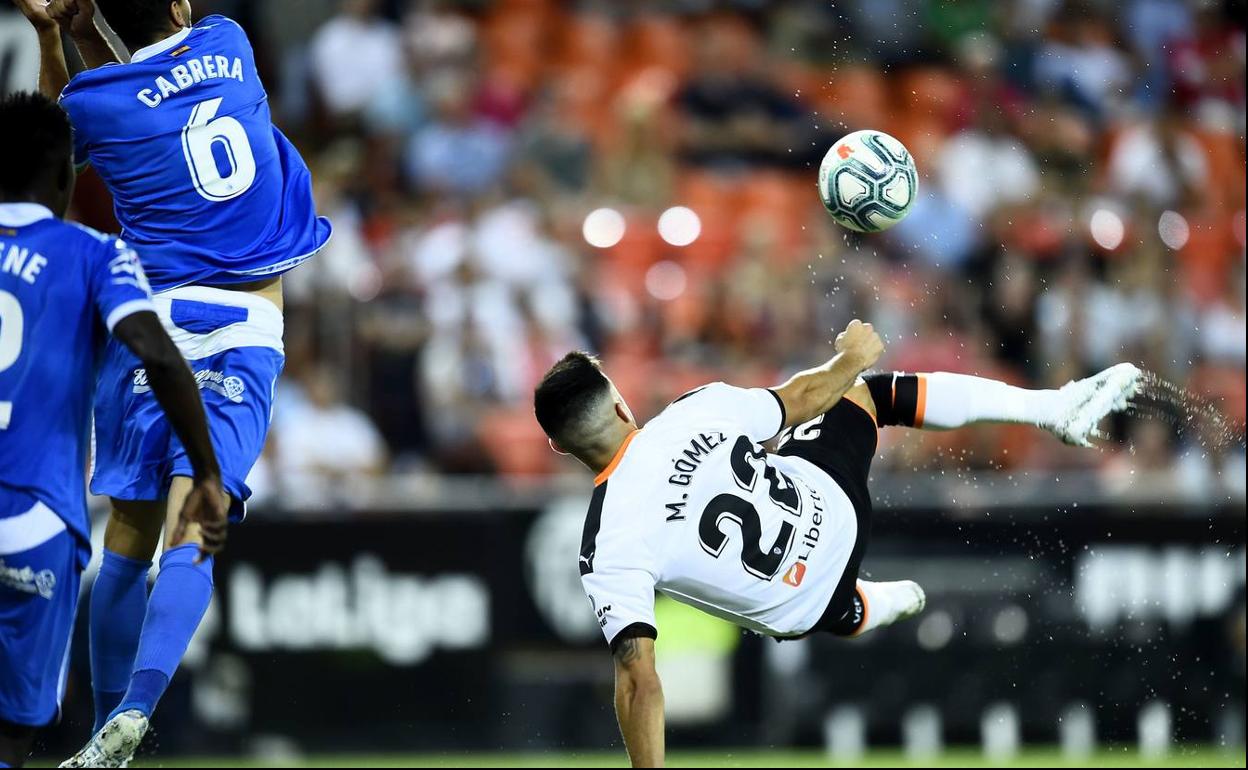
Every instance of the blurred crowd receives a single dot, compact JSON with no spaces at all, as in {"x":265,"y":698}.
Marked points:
{"x":497,"y":172}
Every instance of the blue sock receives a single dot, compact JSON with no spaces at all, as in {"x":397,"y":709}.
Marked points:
{"x":179,"y":600}
{"x":118,"y":603}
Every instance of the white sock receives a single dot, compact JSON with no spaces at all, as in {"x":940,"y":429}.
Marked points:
{"x":955,"y":400}
{"x":886,"y":603}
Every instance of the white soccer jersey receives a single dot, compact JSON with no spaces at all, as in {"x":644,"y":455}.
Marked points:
{"x":692,"y":506}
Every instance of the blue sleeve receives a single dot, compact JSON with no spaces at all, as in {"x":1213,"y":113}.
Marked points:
{"x":233,"y":32}
{"x":70,"y":104}
{"x":81,"y":157}
{"x":118,"y":286}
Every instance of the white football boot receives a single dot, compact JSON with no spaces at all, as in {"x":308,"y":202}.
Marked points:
{"x":115,"y":744}
{"x":1084,"y":403}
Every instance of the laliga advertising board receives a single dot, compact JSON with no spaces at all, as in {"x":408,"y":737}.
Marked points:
{"x":483,"y":612}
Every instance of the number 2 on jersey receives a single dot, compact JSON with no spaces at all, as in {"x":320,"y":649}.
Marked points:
{"x":11,"y":325}
{"x":728,"y":507}
{"x":209,"y":142}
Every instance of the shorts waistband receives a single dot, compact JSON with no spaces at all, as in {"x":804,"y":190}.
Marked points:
{"x":29,"y":530}
{"x":262,"y":329}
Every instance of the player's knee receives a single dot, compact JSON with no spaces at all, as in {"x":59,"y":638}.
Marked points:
{"x":134,"y":528}
{"x":861,"y":395}
{"x":137,"y":513}
{"x":896,"y":397}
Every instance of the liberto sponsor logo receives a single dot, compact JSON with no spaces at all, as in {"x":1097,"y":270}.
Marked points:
{"x":403,"y":618}
{"x":809,"y":540}
{"x":230,"y":387}
{"x":28,"y":581}
{"x":795,"y":574}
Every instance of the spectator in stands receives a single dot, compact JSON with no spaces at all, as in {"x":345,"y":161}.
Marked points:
{"x":467,"y":141}
{"x":325,"y":442}
{"x":1160,"y":160}
{"x":458,"y":152}
{"x":734,"y":117}
{"x":355,"y":56}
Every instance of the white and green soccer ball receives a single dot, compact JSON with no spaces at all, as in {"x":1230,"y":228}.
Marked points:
{"x":868,"y":181}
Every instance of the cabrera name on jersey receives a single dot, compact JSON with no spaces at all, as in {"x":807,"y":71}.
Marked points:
{"x":61,"y":287}
{"x":693,"y":507}
{"x":205,"y":186}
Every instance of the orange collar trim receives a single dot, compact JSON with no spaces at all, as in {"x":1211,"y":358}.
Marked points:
{"x":619,"y":455}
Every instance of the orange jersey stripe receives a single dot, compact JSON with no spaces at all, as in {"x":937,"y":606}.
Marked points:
{"x":619,"y":455}
{"x":866,"y":610}
{"x":921,"y":406}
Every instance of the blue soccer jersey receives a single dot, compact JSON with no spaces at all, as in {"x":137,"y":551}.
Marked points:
{"x":61,"y":286}
{"x":205,"y":187}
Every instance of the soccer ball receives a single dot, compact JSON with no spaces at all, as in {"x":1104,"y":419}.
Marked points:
{"x":868,"y":181}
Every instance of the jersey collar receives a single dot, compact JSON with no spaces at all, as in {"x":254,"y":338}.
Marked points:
{"x":619,"y":455}
{"x":158,"y":48}
{"x":22,"y":214}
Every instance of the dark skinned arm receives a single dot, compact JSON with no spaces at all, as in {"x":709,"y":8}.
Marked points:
{"x":82,"y":21}
{"x":53,"y":71}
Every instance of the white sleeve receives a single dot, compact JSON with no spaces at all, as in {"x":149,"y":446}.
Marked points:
{"x":621,"y":597}
{"x":757,"y":412}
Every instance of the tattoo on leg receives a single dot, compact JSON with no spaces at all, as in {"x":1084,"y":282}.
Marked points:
{"x":627,"y":651}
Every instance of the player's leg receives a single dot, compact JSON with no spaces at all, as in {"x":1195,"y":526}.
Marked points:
{"x":179,"y":599}
{"x":137,"y":457}
{"x":866,"y":605}
{"x":119,"y":599}
{"x":842,"y":442}
{"x":237,"y":388}
{"x":131,"y":448}
{"x":39,"y":577}
{"x":942,"y":401}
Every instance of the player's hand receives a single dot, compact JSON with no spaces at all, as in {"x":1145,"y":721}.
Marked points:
{"x":860,"y":342}
{"x":36,"y":12}
{"x":78,"y":16}
{"x":205,"y":506}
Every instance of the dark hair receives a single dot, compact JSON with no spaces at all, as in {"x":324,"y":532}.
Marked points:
{"x":36,"y":140}
{"x":138,"y":23}
{"x":566,"y":394}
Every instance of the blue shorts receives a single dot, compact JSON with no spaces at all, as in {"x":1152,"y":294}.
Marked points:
{"x":233,"y":343}
{"x":40,"y":568}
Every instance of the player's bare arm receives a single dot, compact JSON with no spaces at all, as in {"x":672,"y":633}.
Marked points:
{"x":639,"y":701}
{"x":175,"y":388}
{"x":810,"y":393}
{"x":53,"y":71}
{"x":79,"y":17}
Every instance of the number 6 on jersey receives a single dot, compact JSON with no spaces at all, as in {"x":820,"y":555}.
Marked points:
{"x":207,"y":141}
